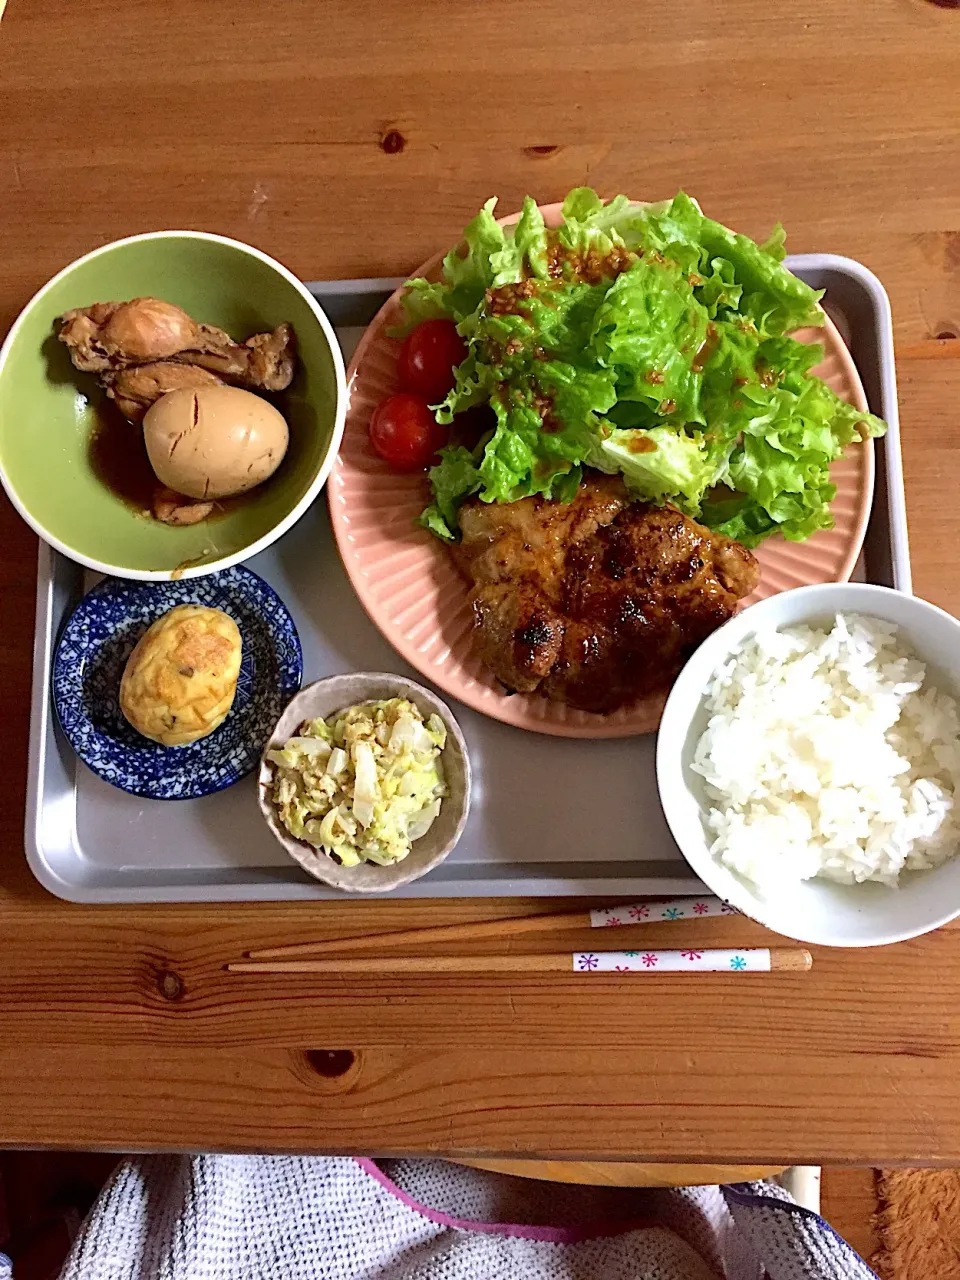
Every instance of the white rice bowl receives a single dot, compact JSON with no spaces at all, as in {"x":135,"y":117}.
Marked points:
{"x":808,"y":771}
{"x":829,"y":752}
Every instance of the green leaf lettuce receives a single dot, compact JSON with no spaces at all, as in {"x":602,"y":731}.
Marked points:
{"x":644,"y":340}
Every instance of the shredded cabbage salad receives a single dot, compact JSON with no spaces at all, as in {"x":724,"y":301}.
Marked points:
{"x":645,"y":340}
{"x":363,"y":784}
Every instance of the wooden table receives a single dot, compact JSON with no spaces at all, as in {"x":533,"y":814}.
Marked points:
{"x":353,"y":138}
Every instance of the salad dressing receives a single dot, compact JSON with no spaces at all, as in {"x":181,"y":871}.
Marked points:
{"x":705,"y":349}
{"x":642,"y":444}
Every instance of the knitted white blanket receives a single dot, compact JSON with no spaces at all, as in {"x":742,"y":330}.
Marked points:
{"x":336,"y":1218}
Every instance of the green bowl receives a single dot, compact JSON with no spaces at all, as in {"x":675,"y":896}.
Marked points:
{"x":50,"y":412}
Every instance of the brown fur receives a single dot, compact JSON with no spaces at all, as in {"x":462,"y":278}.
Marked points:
{"x":919,"y":1224}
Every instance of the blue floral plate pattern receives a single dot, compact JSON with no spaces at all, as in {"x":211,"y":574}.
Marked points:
{"x":93,"y":649}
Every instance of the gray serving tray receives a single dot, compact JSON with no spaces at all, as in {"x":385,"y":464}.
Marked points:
{"x":550,"y":816}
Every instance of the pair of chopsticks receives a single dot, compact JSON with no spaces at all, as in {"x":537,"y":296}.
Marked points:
{"x":326,"y":957}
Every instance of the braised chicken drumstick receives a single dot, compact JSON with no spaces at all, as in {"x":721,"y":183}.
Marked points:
{"x":112,"y":339}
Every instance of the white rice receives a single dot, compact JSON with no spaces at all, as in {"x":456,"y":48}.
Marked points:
{"x":829,"y":753}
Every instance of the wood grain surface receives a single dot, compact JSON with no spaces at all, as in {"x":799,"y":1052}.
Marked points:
{"x":619,"y":1173}
{"x":849,"y":1202}
{"x":354,"y":138}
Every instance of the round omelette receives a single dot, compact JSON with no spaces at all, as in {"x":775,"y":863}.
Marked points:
{"x":180,"y":680}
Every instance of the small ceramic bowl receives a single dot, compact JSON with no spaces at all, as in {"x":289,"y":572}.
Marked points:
{"x":817,"y":910}
{"x":92,"y":652}
{"x":74,"y":492}
{"x":334,"y":694}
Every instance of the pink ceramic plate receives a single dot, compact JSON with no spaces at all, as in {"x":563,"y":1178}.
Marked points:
{"x":407,"y":582}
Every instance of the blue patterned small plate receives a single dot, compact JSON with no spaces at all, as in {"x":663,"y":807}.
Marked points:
{"x":93,"y":649}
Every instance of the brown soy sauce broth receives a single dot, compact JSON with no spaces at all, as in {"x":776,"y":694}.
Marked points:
{"x":118,"y":456}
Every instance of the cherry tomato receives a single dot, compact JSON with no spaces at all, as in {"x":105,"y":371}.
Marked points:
{"x":429,"y":355}
{"x":404,"y":432}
